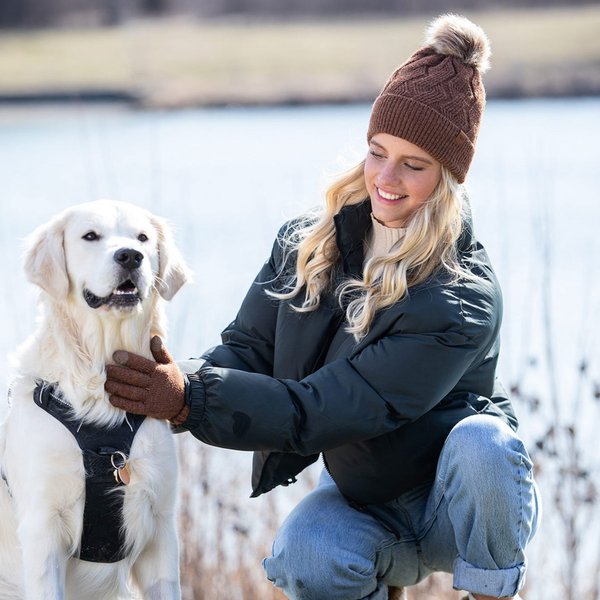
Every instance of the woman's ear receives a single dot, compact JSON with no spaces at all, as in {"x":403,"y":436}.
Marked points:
{"x":172,"y":270}
{"x":45,"y":263}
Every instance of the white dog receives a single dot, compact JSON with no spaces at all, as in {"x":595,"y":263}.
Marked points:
{"x":105,"y":270}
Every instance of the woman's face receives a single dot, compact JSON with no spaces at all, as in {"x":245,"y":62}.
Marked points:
{"x":400,"y":177}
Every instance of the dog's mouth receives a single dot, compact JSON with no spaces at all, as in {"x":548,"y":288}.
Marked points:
{"x":125,"y":295}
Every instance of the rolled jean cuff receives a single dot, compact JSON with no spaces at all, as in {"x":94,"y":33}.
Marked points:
{"x":499,"y":583}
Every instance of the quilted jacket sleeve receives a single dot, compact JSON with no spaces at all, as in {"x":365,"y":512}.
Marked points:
{"x":388,"y":384}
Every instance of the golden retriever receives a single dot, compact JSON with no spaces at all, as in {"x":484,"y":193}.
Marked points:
{"x":105,"y":270}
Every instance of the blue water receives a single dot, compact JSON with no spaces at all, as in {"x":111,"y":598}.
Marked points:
{"x":227,"y":178}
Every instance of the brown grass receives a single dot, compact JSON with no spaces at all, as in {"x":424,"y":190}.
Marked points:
{"x":223,"y":537}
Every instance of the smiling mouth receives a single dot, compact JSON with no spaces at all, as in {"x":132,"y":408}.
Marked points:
{"x":387,"y":196}
{"x":125,"y":295}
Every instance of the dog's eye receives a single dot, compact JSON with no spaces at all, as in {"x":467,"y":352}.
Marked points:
{"x":143,"y":237}
{"x":90,"y":236}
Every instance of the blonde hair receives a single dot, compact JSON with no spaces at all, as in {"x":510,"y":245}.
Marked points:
{"x":428,"y":247}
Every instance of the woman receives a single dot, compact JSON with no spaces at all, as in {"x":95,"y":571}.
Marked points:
{"x":371,"y":336}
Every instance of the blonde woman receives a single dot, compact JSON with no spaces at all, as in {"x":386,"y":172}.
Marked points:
{"x":370,"y":336}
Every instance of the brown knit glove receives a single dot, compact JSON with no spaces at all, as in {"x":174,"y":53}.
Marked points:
{"x":145,"y":387}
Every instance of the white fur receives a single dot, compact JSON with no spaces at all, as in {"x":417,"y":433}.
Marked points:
{"x":455,"y":35}
{"x":41,"y":524}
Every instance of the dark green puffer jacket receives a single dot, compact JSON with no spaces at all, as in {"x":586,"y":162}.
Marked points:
{"x":291,"y":385}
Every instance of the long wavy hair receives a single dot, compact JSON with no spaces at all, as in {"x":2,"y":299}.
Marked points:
{"x":428,"y":247}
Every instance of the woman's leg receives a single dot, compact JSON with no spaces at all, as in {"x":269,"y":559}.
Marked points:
{"x":326,"y":549}
{"x":484,"y":507}
{"x":474,"y":521}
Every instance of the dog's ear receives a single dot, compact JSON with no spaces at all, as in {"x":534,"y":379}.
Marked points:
{"x":172,"y":270}
{"x":45,"y":263}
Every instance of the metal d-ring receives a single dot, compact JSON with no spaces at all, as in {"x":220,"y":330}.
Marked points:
{"x":112,"y":459}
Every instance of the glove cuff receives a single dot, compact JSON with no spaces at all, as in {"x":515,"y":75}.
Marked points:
{"x":193,"y":410}
{"x":181,"y":416}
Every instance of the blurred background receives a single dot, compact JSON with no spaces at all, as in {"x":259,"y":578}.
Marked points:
{"x":230,"y":116}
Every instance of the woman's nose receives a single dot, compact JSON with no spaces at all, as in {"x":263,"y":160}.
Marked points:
{"x":389,"y":175}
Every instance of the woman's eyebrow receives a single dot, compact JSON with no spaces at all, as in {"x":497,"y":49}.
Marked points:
{"x":407,"y":156}
{"x":420,"y":158}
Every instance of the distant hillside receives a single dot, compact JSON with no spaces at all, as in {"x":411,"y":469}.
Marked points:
{"x":166,"y":63}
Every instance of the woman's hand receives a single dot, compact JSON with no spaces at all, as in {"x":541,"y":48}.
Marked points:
{"x":145,"y":387}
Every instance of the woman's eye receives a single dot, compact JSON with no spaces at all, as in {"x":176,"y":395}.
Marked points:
{"x":413,"y":168}
{"x":375,"y":154}
{"x":143,"y":237}
{"x":91,"y":236}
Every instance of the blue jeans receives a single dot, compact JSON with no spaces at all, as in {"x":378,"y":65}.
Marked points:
{"x":473,"y":519}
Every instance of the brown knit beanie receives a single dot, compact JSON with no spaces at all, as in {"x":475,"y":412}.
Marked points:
{"x":435,"y":99}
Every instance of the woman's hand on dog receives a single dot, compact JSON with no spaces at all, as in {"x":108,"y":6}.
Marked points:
{"x":145,"y":387}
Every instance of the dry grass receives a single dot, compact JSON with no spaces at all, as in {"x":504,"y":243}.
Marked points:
{"x":223,"y":536}
{"x":186,"y":62}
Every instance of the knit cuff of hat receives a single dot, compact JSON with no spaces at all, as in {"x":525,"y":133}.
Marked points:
{"x":423,"y":126}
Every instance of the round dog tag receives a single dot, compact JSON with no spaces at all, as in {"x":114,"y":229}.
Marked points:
{"x":124,"y":475}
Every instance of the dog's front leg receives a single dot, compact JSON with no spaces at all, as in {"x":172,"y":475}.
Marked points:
{"x":157,"y":568}
{"x":45,"y":558}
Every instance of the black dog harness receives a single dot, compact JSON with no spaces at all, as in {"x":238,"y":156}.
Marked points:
{"x":104,"y":449}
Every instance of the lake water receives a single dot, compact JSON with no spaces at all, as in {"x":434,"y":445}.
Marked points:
{"x":228,"y":178}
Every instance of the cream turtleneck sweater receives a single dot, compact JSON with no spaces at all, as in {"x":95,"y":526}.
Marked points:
{"x":380,"y":240}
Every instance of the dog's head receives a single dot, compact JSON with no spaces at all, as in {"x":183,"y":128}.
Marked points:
{"x":106,"y":255}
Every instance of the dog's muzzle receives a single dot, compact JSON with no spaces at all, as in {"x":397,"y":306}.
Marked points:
{"x":126,"y":294}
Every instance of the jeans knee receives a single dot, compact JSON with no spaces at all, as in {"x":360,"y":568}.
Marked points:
{"x":304,"y":568}
{"x":487,"y":480}
{"x":483,"y":447}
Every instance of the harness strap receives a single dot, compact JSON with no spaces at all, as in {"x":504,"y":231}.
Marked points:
{"x":103,"y":537}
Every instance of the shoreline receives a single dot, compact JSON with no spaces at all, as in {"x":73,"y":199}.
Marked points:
{"x":123,"y":98}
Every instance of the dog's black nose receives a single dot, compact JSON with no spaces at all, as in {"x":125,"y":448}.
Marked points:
{"x":128,"y":258}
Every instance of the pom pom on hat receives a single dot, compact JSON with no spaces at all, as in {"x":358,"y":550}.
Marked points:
{"x":453,"y":35}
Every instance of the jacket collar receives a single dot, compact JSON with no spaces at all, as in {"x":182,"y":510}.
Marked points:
{"x":352,"y":224}
{"x":466,"y":239}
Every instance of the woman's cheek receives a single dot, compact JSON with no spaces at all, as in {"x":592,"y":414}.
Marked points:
{"x":370,"y":171}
